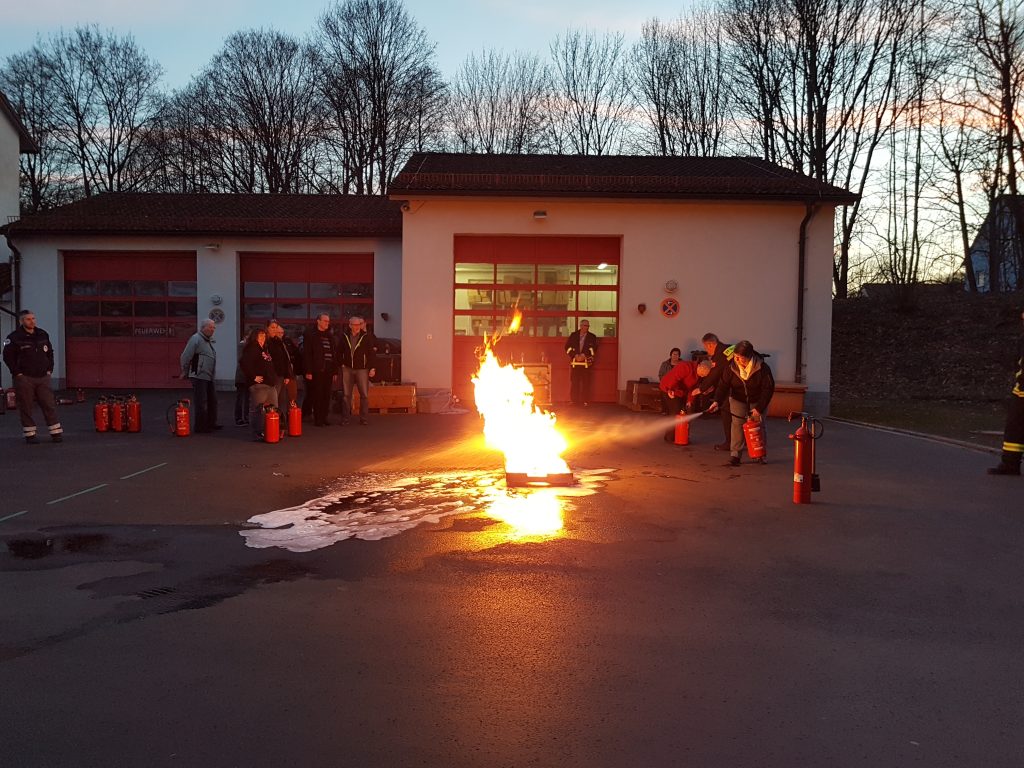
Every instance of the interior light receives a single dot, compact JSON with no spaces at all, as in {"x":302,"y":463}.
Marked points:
{"x":602,"y":265}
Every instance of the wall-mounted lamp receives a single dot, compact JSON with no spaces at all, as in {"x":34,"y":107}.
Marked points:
{"x":641,"y":308}
{"x":385,"y":316}
{"x":540,"y":215}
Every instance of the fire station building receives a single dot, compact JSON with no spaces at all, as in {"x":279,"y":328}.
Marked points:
{"x":653,"y":251}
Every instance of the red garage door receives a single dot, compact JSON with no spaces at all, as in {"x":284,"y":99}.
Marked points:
{"x":555,"y":282}
{"x":295,"y":287}
{"x":127,"y":316}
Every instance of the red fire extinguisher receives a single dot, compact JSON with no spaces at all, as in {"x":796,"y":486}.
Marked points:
{"x":79,"y":395}
{"x":682,"y":434}
{"x":294,"y":421}
{"x":12,"y":399}
{"x":181,"y":419}
{"x":805,"y":474}
{"x":117,"y":415}
{"x":753,"y":434}
{"x":134,"y":409}
{"x":101,"y":415}
{"x":272,"y":425}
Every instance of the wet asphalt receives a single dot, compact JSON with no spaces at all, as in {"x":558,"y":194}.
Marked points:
{"x":689,"y":614}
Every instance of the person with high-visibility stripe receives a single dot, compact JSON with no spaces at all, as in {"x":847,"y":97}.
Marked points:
{"x":1013,"y":435}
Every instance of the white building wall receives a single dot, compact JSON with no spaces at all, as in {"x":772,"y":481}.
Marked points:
{"x":10,"y":150}
{"x":736,"y":265}
{"x":217,"y":274}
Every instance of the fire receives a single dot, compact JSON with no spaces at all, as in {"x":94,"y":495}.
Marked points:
{"x":513,"y":424}
{"x":527,"y":436}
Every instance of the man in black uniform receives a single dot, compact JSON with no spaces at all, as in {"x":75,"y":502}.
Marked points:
{"x":581,"y":349}
{"x":28,"y":354}
{"x":1013,"y":435}
{"x":719,"y":355}
{"x":320,"y":362}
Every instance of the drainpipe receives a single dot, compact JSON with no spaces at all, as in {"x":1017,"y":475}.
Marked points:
{"x":15,"y":272}
{"x":798,"y":377}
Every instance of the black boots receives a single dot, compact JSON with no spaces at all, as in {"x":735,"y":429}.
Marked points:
{"x":1008,"y":465}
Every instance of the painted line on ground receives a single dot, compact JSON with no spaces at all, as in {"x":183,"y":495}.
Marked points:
{"x":143,"y":471}
{"x":71,"y":496}
{"x":16,"y":514}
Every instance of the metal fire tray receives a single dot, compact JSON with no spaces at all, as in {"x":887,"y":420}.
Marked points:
{"x":526,"y":480}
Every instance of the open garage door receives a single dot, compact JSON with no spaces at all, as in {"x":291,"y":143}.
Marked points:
{"x":127,"y":317}
{"x":556,"y":282}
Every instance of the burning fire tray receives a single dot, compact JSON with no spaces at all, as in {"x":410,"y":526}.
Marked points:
{"x":525,"y":480}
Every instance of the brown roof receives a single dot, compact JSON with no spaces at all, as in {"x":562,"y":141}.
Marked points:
{"x":136,"y":213}
{"x":26,"y":144}
{"x":708,"y":178}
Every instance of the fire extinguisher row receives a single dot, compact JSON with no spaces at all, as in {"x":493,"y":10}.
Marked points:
{"x":117,"y":414}
{"x":180,"y":424}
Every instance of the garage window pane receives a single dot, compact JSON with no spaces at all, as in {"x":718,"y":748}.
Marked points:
{"x":515,"y":273}
{"x":291,"y":310}
{"x":150,"y":288}
{"x":116,"y":288}
{"x":84,"y":308}
{"x":597,"y":301}
{"x":333,"y":311}
{"x":324,"y":290}
{"x":82,"y":288}
{"x":181,"y":288}
{"x":291,"y":290}
{"x":150,"y":308}
{"x":467,"y":272}
{"x":181,"y":309}
{"x":557,"y":274}
{"x":599,"y":274}
{"x":357,"y":290}
{"x":115,"y":329}
{"x":116,"y":309}
{"x":83,"y":330}
{"x":364,"y":311}
{"x":259,"y":310}
{"x":603,"y":326}
{"x":259,"y":290}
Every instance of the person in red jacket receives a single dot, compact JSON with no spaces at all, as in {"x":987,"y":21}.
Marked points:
{"x":680,"y":387}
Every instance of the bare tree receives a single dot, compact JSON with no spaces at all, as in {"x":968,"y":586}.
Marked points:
{"x":378,"y":77}
{"x":261,"y":111}
{"x":817,"y":79}
{"x":679,"y":80}
{"x":496,"y":104}
{"x":590,"y":99}
{"x":46,"y":180}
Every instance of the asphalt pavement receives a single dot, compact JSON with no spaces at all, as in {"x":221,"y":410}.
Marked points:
{"x":348,"y":598}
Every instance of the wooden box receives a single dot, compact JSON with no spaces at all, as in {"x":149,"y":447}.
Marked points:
{"x":539,"y":375}
{"x":788,"y":398}
{"x":643,"y":396}
{"x":389,"y":398}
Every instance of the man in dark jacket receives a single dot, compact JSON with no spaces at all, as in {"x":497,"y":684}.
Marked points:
{"x":581,"y":349}
{"x":1013,"y":434}
{"x":358,"y":364}
{"x":284,"y":364}
{"x":718,"y":355}
{"x":28,"y":354}
{"x":320,"y":362}
{"x":745,"y":389}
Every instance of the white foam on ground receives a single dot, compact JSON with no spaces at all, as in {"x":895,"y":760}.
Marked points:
{"x":374,"y":507}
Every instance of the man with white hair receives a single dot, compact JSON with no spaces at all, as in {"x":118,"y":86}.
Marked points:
{"x":199,"y":365}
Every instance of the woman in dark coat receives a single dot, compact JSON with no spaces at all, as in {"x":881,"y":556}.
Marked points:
{"x":746,"y":388}
{"x":258,"y":369}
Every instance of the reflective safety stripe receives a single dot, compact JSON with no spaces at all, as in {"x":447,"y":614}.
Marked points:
{"x":56,"y":429}
{"x":28,"y":431}
{"x":1013,"y":447}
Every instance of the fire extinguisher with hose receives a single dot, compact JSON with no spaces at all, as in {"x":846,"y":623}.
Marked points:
{"x":178,"y":418}
{"x":805,"y":469}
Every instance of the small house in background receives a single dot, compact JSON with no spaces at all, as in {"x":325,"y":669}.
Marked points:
{"x":14,"y":142}
{"x":996,"y":253}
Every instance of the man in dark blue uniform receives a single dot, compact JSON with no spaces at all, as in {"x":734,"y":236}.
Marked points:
{"x":1013,"y":435}
{"x":28,"y":355}
{"x":581,"y":349}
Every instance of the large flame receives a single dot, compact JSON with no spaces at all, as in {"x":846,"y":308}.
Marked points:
{"x":512,"y":422}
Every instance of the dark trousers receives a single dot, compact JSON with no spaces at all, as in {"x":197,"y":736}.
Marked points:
{"x":579,"y":384}
{"x":241,"y":403}
{"x":1013,"y":435}
{"x":31,"y":390}
{"x":204,"y":402}
{"x":318,"y":390}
